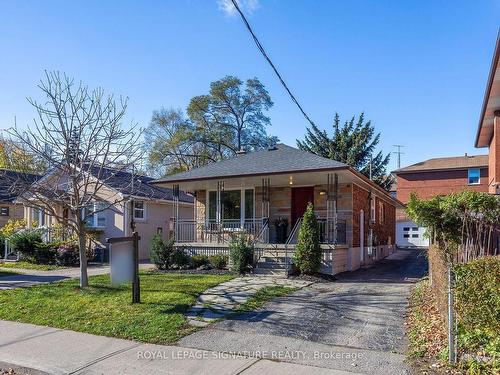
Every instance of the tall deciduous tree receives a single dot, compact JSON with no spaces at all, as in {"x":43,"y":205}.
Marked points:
{"x":78,"y":133}
{"x":353,"y":143}
{"x":230,"y":118}
{"x":14,"y":157}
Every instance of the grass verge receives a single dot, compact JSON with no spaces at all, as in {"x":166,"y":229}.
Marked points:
{"x":104,"y":310}
{"x":30,"y":266}
{"x":262,"y":296}
{"x":425,"y":327}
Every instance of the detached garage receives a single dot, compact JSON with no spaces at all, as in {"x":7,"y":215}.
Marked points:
{"x":409,"y":234}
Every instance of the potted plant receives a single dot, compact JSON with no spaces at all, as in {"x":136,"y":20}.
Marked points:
{"x":281,"y":225}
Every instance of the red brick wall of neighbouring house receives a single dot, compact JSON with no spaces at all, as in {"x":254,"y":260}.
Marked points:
{"x":494,"y":156}
{"x":428,"y":184}
{"x":385,"y":231}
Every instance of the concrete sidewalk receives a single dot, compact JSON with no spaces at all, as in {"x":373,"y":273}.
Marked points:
{"x":57,"y":351}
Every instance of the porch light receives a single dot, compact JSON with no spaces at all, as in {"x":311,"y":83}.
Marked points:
{"x":322,"y":192}
{"x":291,"y":180}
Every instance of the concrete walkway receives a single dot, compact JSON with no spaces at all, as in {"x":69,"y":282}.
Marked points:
{"x":56,"y":351}
{"x":27,"y":278}
{"x":220,"y":301}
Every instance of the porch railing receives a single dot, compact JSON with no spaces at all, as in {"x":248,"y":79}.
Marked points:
{"x":220,"y":232}
{"x":201,"y":231}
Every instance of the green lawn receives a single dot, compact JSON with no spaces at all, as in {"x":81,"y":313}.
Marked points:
{"x":104,"y":310}
{"x":30,"y":266}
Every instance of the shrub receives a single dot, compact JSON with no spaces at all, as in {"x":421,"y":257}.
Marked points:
{"x":180,"y":259}
{"x":25,"y":242}
{"x":219,"y":261}
{"x":161,"y":252}
{"x":11,"y":227}
{"x":44,"y":253}
{"x":477,"y":305}
{"x":241,"y":254}
{"x":68,"y":254}
{"x":307,"y":256}
{"x":199,"y":260}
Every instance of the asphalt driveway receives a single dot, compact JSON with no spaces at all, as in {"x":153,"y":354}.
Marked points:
{"x":354,"y":324}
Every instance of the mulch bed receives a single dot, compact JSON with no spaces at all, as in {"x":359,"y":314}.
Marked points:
{"x":212,"y":271}
{"x":316,"y":278}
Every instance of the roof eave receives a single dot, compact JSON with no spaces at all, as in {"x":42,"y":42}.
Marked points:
{"x":174,"y":181}
{"x":489,"y":84}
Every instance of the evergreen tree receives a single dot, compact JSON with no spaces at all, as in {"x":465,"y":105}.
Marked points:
{"x":307,"y":256}
{"x":353,"y":143}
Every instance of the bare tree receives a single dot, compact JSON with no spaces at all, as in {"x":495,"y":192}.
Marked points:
{"x":78,"y":134}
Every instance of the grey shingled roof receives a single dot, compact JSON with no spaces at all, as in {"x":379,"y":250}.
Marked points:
{"x":13,"y":183}
{"x":281,"y":159}
{"x":454,"y":162}
{"x":142,"y":187}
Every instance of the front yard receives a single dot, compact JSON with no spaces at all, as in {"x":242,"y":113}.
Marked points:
{"x":29,"y":266}
{"x":105,"y":310}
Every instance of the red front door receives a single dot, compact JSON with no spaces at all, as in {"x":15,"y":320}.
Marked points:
{"x":301,"y":196}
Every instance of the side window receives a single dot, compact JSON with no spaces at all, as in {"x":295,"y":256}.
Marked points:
{"x":372,"y":209}
{"x":4,"y":211}
{"x":139,"y":210}
{"x":474,"y":176}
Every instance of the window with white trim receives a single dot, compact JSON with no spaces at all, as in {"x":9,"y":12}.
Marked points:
{"x":95,"y":214}
{"x":139,"y":210}
{"x":373,"y":210}
{"x":38,"y":217}
{"x":474,"y":176}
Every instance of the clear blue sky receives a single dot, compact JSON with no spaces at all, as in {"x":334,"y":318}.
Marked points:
{"x":418,"y":69}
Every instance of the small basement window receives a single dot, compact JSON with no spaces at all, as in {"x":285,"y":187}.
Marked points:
{"x":4,"y":211}
{"x":474,"y":176}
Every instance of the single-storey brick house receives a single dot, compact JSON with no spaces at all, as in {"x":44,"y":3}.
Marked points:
{"x":255,"y":192}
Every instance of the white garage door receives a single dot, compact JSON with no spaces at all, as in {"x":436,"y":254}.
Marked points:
{"x":408,"y":234}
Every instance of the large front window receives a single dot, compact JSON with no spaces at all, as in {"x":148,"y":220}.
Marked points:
{"x":95,"y":214}
{"x":235,"y":205}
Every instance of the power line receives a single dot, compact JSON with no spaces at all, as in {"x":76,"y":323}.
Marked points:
{"x":399,"y":153}
{"x":262,"y":50}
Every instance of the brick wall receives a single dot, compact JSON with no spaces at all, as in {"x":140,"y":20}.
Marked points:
{"x":431,"y":183}
{"x":16,"y":211}
{"x":385,"y":231}
{"x":494,"y":156}
{"x":360,"y":201}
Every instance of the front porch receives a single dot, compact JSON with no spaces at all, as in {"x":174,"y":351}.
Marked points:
{"x":268,"y":209}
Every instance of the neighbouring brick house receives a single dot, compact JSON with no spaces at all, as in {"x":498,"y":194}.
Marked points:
{"x":254,"y":192}
{"x":438,"y":176}
{"x":488,"y":131}
{"x":9,"y":210}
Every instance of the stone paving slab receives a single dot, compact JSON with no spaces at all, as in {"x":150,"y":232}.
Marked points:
{"x":218,"y":302}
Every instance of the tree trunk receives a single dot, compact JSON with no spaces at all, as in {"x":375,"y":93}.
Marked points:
{"x":82,"y":242}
